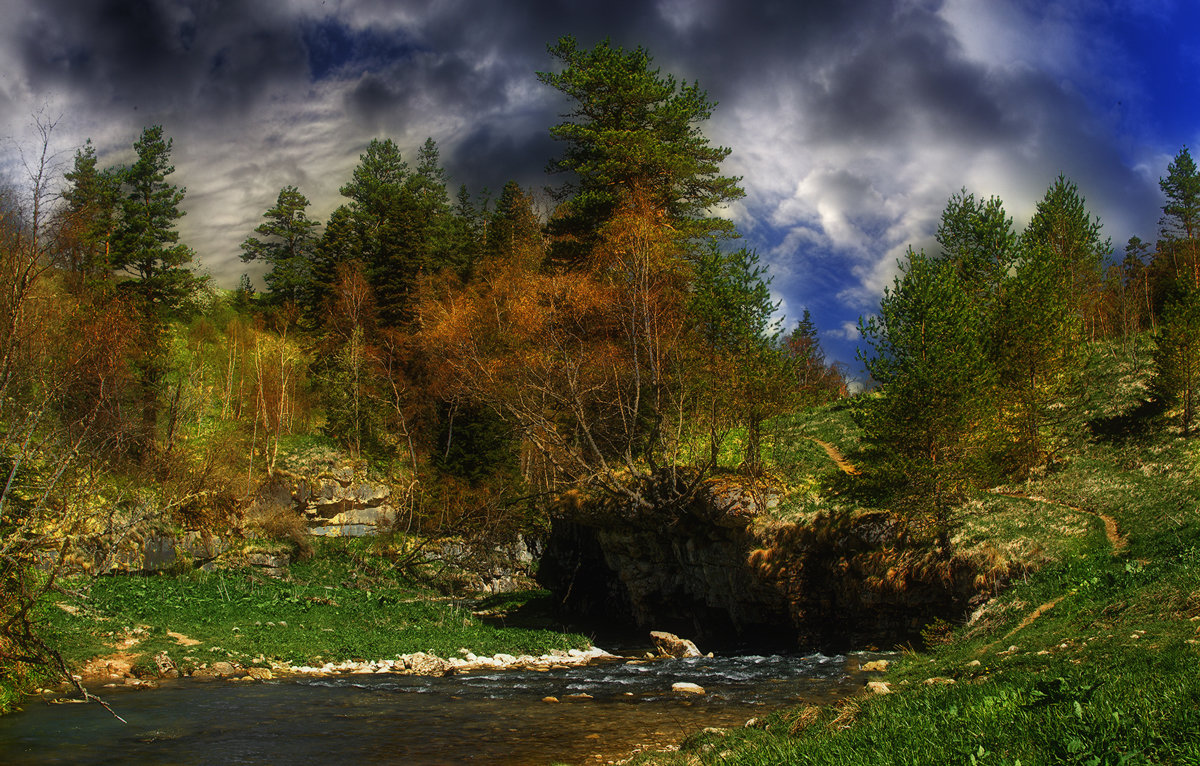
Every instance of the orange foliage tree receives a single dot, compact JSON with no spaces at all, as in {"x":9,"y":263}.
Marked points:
{"x":586,"y":365}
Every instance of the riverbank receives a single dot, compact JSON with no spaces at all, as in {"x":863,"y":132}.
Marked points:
{"x":1092,"y":659}
{"x":346,"y":606}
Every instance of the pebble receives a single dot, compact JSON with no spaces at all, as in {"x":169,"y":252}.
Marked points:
{"x":546,"y":662}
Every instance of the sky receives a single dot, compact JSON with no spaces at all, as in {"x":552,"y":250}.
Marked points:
{"x":850,"y":123}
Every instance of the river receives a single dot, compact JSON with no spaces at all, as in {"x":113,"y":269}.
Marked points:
{"x":493,"y":718}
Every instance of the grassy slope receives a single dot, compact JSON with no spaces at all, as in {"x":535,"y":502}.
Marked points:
{"x":1094,"y":658}
{"x":345,"y":603}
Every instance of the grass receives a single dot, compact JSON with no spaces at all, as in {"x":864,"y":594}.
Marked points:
{"x":1107,"y":672}
{"x":343,"y":604}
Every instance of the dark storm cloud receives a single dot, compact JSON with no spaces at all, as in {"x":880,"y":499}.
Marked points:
{"x":851,"y":123}
{"x":200,"y":60}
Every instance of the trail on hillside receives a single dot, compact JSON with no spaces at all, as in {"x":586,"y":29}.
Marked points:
{"x":1116,"y":540}
{"x":836,"y":456}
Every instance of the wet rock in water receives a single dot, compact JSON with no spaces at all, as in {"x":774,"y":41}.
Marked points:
{"x":686,"y":687}
{"x":875,"y":665}
{"x":671,"y":645}
{"x":549,"y":699}
{"x":260,"y":674}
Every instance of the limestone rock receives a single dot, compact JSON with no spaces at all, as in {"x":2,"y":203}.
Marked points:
{"x":938,"y":681}
{"x":260,"y":674}
{"x":671,"y":645}
{"x":875,"y":666}
{"x":427,"y":665}
{"x":686,"y":687}
{"x":166,"y":666}
{"x":878,"y":687}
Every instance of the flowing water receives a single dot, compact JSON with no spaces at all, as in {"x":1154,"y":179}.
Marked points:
{"x":493,"y":718}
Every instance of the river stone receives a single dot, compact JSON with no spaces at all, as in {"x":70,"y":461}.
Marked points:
{"x":259,"y":674}
{"x":671,"y":645}
{"x":427,"y":665}
{"x":879,"y":687}
{"x":686,"y":687}
{"x":875,"y":666}
{"x":222,"y":669}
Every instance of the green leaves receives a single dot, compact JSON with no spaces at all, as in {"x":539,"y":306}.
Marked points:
{"x":289,"y":238}
{"x":145,"y":244}
{"x":928,"y":344}
{"x":632,"y":129}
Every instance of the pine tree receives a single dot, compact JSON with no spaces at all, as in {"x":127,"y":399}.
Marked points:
{"x":632,"y":130}
{"x":749,"y":376}
{"x":146,"y":245}
{"x":514,"y":229}
{"x":928,"y":357}
{"x":1180,"y":223}
{"x":338,"y":245}
{"x":1177,"y":352}
{"x":978,"y":236}
{"x":402,"y":223}
{"x":817,"y":381}
{"x":1063,"y":231}
{"x":288,"y":241}
{"x":91,"y":202}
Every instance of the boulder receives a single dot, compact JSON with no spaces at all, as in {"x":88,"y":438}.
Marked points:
{"x":423,"y":664}
{"x":671,"y":645}
{"x":875,"y":666}
{"x":686,"y":687}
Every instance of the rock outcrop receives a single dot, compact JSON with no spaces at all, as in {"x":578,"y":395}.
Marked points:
{"x":714,"y":569}
{"x":334,"y":501}
{"x":684,"y":569}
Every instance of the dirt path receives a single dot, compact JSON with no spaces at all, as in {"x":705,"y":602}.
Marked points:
{"x":1116,"y":540}
{"x":1029,"y":618}
{"x":836,"y":456}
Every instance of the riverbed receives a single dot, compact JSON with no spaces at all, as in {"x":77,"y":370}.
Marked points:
{"x":603,"y":712}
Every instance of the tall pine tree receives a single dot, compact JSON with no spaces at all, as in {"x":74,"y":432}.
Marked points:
{"x":288,"y":239}
{"x":632,"y":130}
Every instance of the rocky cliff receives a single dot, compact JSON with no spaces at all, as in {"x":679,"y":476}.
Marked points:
{"x":706,"y":570}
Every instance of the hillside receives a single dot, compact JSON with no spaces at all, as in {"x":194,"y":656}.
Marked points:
{"x":1090,"y":652}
